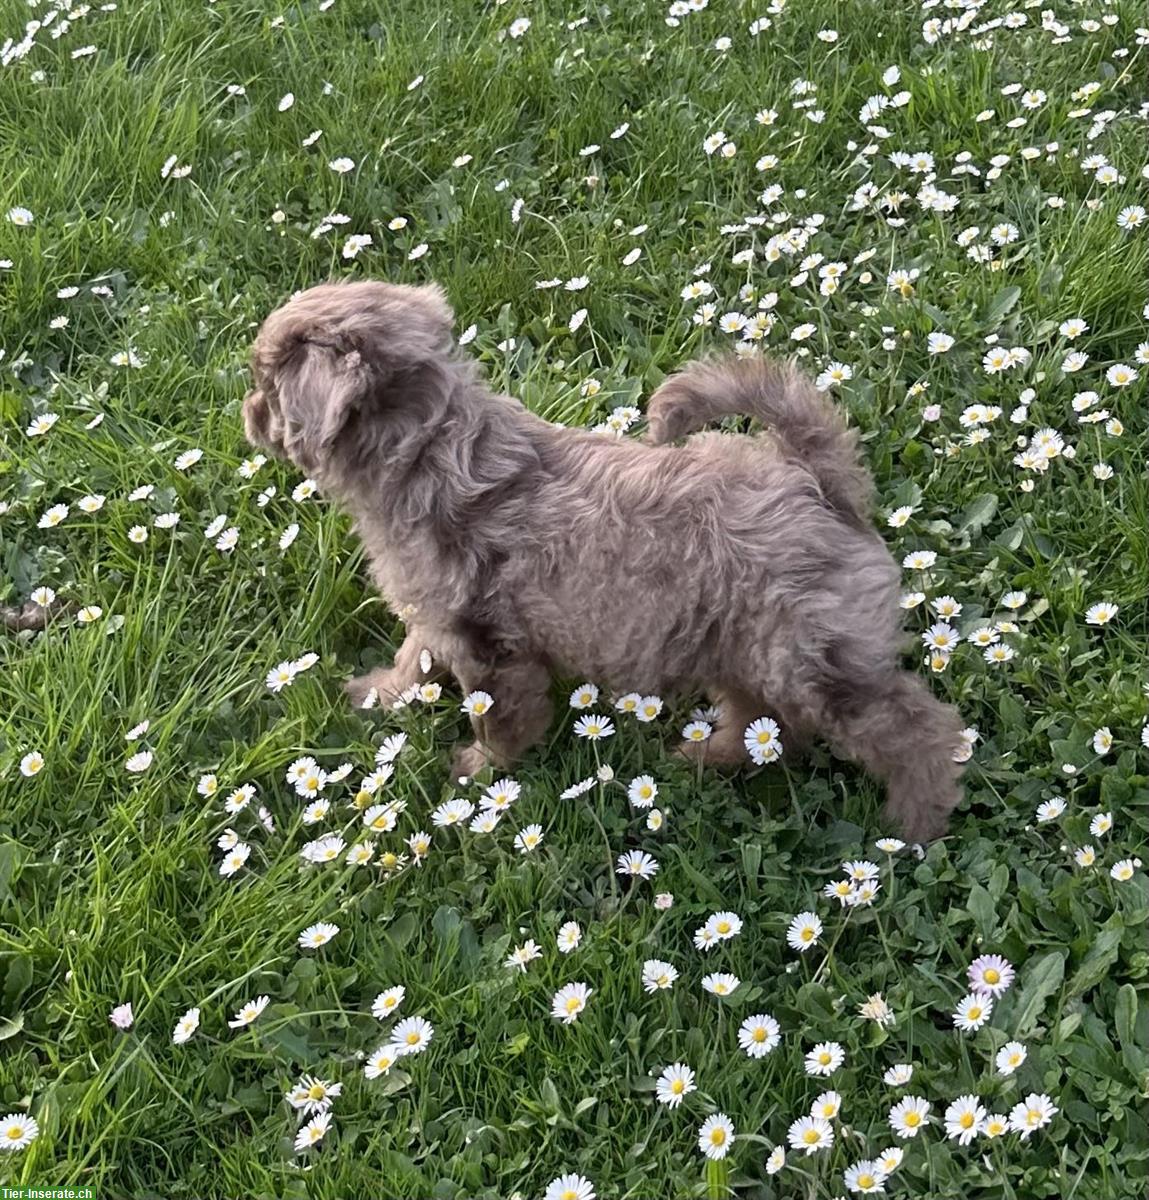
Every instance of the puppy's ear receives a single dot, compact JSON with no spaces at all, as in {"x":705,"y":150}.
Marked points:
{"x":319,"y":386}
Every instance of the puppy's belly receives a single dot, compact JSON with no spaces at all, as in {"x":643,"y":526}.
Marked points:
{"x":632,"y":649}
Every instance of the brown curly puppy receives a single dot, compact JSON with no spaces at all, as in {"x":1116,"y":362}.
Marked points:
{"x":742,"y":566}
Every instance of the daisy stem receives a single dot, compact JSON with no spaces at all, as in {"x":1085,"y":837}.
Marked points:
{"x":602,"y":831}
{"x":830,"y":949}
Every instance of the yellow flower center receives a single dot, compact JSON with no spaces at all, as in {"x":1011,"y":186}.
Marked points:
{"x":992,"y":976}
{"x":717,"y":1136}
{"x":677,"y":1087}
{"x":806,"y":934}
{"x":573,"y":1004}
{"x":569,"y":1194}
{"x":866,"y":1181}
{"x":759,"y":1034}
{"x":765,"y":737}
{"x":913,"y":1119}
{"x":811,"y":1137}
{"x":974,"y":1013}
{"x":824,"y":1058}
{"x":14,"y":1133}
{"x":966,"y":1121}
{"x":412,"y":1038}
{"x":316,"y":1091}
{"x":723,"y":927}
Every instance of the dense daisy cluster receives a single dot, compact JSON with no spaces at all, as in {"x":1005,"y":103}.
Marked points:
{"x":252,"y":932}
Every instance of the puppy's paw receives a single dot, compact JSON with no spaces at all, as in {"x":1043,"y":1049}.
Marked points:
{"x":713,"y":752}
{"x":468,"y":761}
{"x":366,"y":691}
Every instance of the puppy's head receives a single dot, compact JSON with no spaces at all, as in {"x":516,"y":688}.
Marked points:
{"x":330,"y":354}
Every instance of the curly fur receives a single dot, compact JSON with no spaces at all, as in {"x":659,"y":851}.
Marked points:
{"x":742,"y":566}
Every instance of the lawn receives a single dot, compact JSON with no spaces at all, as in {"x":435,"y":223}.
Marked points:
{"x":939,"y":210}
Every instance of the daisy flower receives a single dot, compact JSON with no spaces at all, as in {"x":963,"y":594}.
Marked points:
{"x":122,"y":1016}
{"x":909,"y":1116}
{"x":725,"y":924}
{"x":1100,"y":614}
{"x":825,"y":1059}
{"x":569,"y":1001}
{"x":185,"y":1027}
{"x":1101,"y":824}
{"x":674,"y":1084}
{"x":318,"y":935}
{"x":759,"y":1035}
{"x":594,"y":727}
{"x":1033,"y":1113}
{"x":412,"y":1035}
{"x":1009,"y":1058}
{"x":963,"y":1119}
{"x":810,"y":1134}
{"x":720,"y":983}
{"x":452,"y":812}
{"x":249,"y":1012}
{"x":584,"y":696}
{"x":31,"y":764}
{"x":995,"y":1125}
{"x":637,"y":863}
{"x":763,"y":740}
{"x":569,"y":1187}
{"x":569,"y":936}
{"x":528,"y":838}
{"x":898,"y":1075}
{"x":990,"y":974}
{"x":313,"y":1132}
{"x":17,"y":1130}
{"x":522,"y":955}
{"x":658,"y":975}
{"x":642,"y":791}
{"x":478,"y":703}
{"x":649,"y":707}
{"x":973,"y":1012}
{"x":380,"y":1061}
{"x":865,"y":1177}
{"x":234,"y":860}
{"x":890,"y":1159}
{"x":386,"y":1004}
{"x":804,"y":931}
{"x":716,"y":1136}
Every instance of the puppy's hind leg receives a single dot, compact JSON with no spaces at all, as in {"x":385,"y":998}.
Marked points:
{"x":898,"y":730}
{"x":518,"y":717}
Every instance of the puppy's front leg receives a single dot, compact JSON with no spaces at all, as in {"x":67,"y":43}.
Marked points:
{"x":391,"y":682}
{"x":518,"y":717}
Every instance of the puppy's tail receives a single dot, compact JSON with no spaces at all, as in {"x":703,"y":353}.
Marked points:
{"x":808,"y":428}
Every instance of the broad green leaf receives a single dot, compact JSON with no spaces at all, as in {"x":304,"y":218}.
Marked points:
{"x":1039,"y":982}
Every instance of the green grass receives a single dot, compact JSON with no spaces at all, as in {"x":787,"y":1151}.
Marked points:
{"x":109,"y":888}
